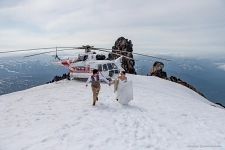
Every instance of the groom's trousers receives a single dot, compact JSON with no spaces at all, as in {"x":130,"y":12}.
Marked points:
{"x":95,"y":91}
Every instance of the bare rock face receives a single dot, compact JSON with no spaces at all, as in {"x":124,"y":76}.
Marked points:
{"x":124,"y":47}
{"x":157,"y":70}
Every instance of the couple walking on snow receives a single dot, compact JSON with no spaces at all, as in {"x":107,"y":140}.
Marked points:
{"x":122,"y":87}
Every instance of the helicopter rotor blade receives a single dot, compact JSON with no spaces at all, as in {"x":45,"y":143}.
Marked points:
{"x":39,"y":53}
{"x":37,"y":49}
{"x":26,"y":50}
{"x":71,"y":47}
{"x":82,"y":47}
{"x":152,"y":56}
{"x":116,"y":54}
{"x":133,"y":53}
{"x":49,"y":52}
{"x":123,"y":56}
{"x":113,"y":50}
{"x":108,"y":49}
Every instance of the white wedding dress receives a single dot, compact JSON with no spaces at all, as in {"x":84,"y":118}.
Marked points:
{"x":124,"y":93}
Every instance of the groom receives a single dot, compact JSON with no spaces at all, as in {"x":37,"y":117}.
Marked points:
{"x":95,"y":79}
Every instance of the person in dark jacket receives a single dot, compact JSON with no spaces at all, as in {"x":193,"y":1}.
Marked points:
{"x":95,"y":79}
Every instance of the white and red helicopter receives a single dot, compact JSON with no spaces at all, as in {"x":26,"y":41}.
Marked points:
{"x":81,"y":66}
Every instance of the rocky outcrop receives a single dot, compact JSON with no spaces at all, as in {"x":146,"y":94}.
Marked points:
{"x":157,"y":70}
{"x":58,"y":78}
{"x":220,"y":105}
{"x":124,"y":47}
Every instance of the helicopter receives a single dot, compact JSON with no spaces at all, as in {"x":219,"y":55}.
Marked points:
{"x":81,"y":66}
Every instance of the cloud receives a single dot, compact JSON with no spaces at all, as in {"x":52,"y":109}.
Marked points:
{"x":221,"y":66}
{"x":176,"y":26}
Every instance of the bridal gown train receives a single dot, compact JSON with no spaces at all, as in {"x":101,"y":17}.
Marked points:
{"x":124,"y":92}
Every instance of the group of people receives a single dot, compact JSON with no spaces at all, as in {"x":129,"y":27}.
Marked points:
{"x":122,"y":87}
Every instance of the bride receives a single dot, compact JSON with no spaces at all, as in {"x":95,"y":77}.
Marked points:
{"x":123,"y":89}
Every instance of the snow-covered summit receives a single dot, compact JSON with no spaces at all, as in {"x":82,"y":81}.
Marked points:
{"x":59,"y":116}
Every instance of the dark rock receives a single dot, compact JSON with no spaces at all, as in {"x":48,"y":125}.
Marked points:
{"x":172,"y":78}
{"x":220,"y":105}
{"x":58,"y":78}
{"x":124,"y":47}
{"x":157,"y":70}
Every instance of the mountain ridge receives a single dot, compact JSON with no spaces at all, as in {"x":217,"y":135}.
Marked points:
{"x":163,"y":115}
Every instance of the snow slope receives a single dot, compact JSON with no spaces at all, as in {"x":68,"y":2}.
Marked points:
{"x":59,"y":116}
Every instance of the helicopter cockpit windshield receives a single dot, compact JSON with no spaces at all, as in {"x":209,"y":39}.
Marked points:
{"x":82,"y":57}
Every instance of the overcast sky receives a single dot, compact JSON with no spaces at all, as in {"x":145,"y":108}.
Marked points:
{"x":166,"y":26}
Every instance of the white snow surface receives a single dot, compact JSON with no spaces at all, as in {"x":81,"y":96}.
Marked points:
{"x":59,"y":116}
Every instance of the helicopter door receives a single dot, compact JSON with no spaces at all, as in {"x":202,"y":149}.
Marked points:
{"x":110,"y":67}
{"x":100,"y":67}
{"x":105,"y":70}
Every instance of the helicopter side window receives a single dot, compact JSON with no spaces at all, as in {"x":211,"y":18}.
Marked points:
{"x":116,"y":71}
{"x":110,"y":67}
{"x":99,"y":67}
{"x":111,"y":73}
{"x":114,"y":66}
{"x":105,"y":67}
